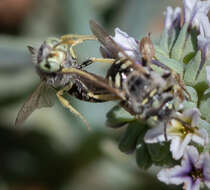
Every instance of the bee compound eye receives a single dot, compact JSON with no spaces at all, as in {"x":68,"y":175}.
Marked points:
{"x":51,"y":42}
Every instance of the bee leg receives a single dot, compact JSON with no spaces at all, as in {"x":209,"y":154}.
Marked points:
{"x":77,"y":36}
{"x":101,"y":60}
{"x":180,"y":87}
{"x":89,"y":76}
{"x":189,"y":98}
{"x":71,"y":48}
{"x":66,"y":104}
{"x":103,"y":97}
{"x":74,"y":39}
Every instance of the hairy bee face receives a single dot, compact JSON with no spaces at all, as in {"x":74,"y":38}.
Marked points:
{"x":51,"y":57}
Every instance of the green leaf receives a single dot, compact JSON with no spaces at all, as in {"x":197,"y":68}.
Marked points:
{"x":191,"y":70}
{"x":160,"y":153}
{"x":206,"y":125}
{"x":173,"y":37}
{"x":117,"y":117}
{"x":190,"y":47}
{"x":160,"y":51}
{"x":189,"y":105}
{"x":171,"y":63}
{"x":164,"y":40}
{"x":129,"y":139}
{"x":143,"y":158}
{"x":205,"y":105}
{"x":193,"y":94}
{"x":178,"y":48}
{"x":157,"y":151}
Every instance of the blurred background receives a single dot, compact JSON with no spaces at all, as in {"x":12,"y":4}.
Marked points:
{"x":54,"y":150}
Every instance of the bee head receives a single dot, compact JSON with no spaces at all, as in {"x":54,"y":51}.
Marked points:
{"x":50,"y":56}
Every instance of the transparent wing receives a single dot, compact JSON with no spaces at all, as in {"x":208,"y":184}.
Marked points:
{"x":43,"y":96}
{"x":106,"y":40}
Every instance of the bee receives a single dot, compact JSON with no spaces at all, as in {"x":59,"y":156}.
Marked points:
{"x":60,"y":73}
{"x":145,"y":92}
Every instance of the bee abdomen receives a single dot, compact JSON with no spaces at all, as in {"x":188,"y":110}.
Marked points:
{"x":118,"y":72}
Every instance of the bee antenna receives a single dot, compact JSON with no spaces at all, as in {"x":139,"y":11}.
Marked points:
{"x":32,"y":50}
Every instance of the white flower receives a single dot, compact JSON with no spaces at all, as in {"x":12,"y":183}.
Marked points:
{"x":194,"y":170}
{"x":180,"y":132}
{"x":127,"y":43}
{"x":204,"y":40}
{"x":204,"y":36}
{"x":204,"y":26}
{"x":172,"y":18}
{"x":195,"y":11}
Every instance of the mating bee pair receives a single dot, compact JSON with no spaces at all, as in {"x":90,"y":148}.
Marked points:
{"x":141,"y":91}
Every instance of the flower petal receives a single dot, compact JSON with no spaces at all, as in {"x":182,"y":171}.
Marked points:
{"x":203,"y":41}
{"x":194,"y":10}
{"x":178,"y":146}
{"x":127,"y":43}
{"x":172,"y":17}
{"x":172,"y":175}
{"x":168,"y":18}
{"x":189,"y":184}
{"x":188,"y":8}
{"x":204,"y":26}
{"x":193,"y":115}
{"x":182,"y":174}
{"x":206,"y":168}
{"x":201,"y":137}
{"x":155,"y":134}
{"x":191,"y":155}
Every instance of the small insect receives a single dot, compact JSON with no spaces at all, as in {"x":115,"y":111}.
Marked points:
{"x":147,"y":49}
{"x":60,"y":72}
{"x":146,"y":93}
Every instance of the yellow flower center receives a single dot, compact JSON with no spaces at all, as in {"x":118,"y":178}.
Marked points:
{"x":180,"y":127}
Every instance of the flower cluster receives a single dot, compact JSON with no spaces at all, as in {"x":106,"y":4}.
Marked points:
{"x":180,"y":132}
{"x":184,"y":48}
{"x":194,"y":170}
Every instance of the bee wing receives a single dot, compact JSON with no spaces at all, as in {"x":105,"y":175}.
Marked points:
{"x":107,"y":41}
{"x":43,"y":96}
{"x":94,"y":81}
